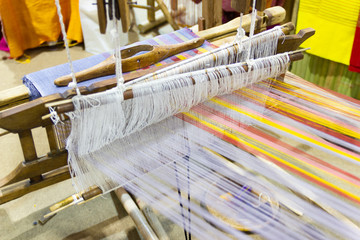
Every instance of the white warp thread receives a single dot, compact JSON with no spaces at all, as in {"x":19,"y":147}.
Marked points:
{"x":263,"y":44}
{"x":102,"y":118}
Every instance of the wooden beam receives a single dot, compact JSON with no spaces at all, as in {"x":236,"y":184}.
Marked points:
{"x":294,"y":41}
{"x":167,"y":14}
{"x":15,"y":191}
{"x":212,"y":12}
{"x":26,"y":170}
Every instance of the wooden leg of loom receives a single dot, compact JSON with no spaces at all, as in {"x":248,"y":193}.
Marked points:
{"x":34,"y":172}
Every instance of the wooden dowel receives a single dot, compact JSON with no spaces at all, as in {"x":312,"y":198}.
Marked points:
{"x":152,"y":219}
{"x":142,"y":225}
{"x":96,"y":191}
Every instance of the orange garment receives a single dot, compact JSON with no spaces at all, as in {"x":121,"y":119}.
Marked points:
{"x":29,"y":23}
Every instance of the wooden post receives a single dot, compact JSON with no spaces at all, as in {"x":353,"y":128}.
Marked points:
{"x":131,"y":208}
{"x":260,"y":5}
{"x":212,"y":12}
{"x":151,"y":12}
{"x":242,"y":6}
{"x":102,"y":15}
{"x":124,"y":15}
{"x":29,"y":150}
{"x":201,"y":24}
{"x":51,"y":138}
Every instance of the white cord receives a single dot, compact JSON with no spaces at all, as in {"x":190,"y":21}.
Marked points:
{"x":73,"y":84}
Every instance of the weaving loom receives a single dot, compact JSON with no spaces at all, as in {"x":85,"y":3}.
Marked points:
{"x":240,"y":162}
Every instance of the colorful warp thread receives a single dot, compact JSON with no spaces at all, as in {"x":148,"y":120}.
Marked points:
{"x":287,"y":171}
{"x":309,"y":108}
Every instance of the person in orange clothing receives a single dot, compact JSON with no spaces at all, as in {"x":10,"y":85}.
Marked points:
{"x":30,"y":23}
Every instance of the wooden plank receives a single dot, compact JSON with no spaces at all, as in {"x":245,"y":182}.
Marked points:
{"x":26,"y":116}
{"x":174,"y":5}
{"x":212,"y":12}
{"x":26,"y":170}
{"x":295,"y":10}
{"x":13,"y":94}
{"x":22,"y":188}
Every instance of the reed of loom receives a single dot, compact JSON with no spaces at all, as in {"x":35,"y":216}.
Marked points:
{"x":40,"y":171}
{"x":67,"y":106}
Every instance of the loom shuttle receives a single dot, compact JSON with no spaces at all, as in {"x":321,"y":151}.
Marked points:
{"x":154,"y":54}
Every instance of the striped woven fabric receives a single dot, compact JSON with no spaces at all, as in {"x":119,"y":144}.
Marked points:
{"x":41,"y":83}
{"x":307,"y":131}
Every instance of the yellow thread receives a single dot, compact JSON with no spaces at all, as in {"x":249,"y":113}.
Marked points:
{"x":275,"y":157}
{"x":278,"y":126}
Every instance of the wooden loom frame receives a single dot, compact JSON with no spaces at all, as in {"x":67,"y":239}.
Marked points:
{"x":37,"y":172}
{"x":211,"y":13}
